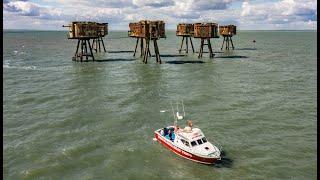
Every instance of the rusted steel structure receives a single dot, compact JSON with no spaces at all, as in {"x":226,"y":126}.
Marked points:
{"x":227,"y":32}
{"x":136,"y":32}
{"x":83,"y":32}
{"x":102,"y":31}
{"x":206,"y":31}
{"x":186,"y":31}
{"x":147,"y":31}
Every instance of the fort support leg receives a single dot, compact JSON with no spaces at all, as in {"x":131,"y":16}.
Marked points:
{"x":144,"y":54}
{"x":98,"y":39}
{"x":92,"y":43}
{"x":141,"y":46}
{"x":135,"y":49}
{"x":149,"y":53}
{"x":145,"y":59}
{"x":96,"y":44}
{"x":231,"y":43}
{"x":181,"y":44}
{"x":81,"y":55}
{"x":76,"y":54}
{"x":99,"y":44}
{"x":148,"y":49}
{"x":159,"y":61}
{"x":201,"y":48}
{"x":90,"y":50}
{"x":186,"y":44}
{"x":156,"y":49}
{"x":224,"y":38}
{"x":85,"y":49}
{"x":103,"y":45}
{"x":210,"y":49}
{"x":191,"y":44}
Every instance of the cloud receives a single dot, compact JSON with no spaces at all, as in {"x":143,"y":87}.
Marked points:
{"x":246,"y":9}
{"x":208,"y":5}
{"x":114,"y":3}
{"x":153,"y":3}
{"x":118,"y":13}
{"x":282,"y":12}
{"x":22,"y":8}
{"x":186,"y":15}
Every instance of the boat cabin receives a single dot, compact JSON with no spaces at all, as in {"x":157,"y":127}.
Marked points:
{"x":191,"y":138}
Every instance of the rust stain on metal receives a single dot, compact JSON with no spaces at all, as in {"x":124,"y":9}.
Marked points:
{"x":102,"y":29}
{"x":147,"y":29}
{"x":228,"y":30}
{"x":84,"y":31}
{"x":206,"y":30}
{"x":87,"y":30}
{"x":184,"y":29}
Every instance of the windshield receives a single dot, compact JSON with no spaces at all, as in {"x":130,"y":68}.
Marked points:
{"x":193,"y":143}
{"x":199,"y":141}
{"x":204,"y":139}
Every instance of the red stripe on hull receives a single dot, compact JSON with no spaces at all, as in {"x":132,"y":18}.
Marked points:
{"x":183,"y":153}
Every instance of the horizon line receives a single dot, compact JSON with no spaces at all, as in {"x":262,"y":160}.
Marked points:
{"x":167,"y":29}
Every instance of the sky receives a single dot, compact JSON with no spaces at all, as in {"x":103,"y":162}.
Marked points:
{"x":245,"y":14}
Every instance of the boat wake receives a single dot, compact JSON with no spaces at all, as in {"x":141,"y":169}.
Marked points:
{"x":58,"y":68}
{"x":19,"y":67}
{"x":224,"y":162}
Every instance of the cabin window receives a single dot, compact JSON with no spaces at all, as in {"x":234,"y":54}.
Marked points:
{"x":204,"y":139}
{"x":199,"y":141}
{"x":193,"y":143}
{"x":185,"y":142}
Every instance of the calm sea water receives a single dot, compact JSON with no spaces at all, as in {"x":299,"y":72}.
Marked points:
{"x":95,"y":120}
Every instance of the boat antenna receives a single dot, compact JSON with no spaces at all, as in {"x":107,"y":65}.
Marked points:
{"x":174,"y":116}
{"x":184,"y":113}
{"x":177,"y":107}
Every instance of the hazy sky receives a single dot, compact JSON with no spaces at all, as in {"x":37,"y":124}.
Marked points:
{"x":247,"y":15}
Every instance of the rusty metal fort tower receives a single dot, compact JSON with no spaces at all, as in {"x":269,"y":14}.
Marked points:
{"x":227,"y":32}
{"x":206,"y":31}
{"x":83,"y":32}
{"x":147,"y":31}
{"x":186,"y":31}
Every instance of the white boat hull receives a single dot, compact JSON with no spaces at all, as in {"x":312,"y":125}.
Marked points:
{"x":188,"y":155}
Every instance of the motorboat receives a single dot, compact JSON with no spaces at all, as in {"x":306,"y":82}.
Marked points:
{"x":189,"y":142}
